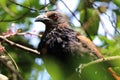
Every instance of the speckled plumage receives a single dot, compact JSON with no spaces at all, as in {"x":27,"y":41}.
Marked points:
{"x":68,"y":47}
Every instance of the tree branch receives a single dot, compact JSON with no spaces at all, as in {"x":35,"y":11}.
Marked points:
{"x":88,"y":35}
{"x":20,"y":17}
{"x":104,"y":65}
{"x":19,"y":46}
{"x":10,"y":68}
{"x":110,"y":60}
{"x":29,"y":8}
{"x":22,"y":5}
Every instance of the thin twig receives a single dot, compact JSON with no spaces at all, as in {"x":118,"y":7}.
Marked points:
{"x":88,"y":35}
{"x":29,"y":8}
{"x":20,"y":17}
{"x":105,"y":29}
{"x":23,"y":5}
{"x":9,"y":67}
{"x":109,"y":20}
{"x":71,"y":11}
{"x":14,"y":63}
{"x":19,"y":46}
{"x":105,"y":60}
{"x":108,"y":61}
{"x":24,"y":33}
{"x":103,"y":25}
{"x":112,"y":23}
{"x":114,"y":74}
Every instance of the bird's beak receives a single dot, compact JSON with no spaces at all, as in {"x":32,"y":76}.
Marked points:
{"x":42,"y":18}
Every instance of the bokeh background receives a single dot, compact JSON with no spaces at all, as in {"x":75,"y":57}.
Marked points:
{"x":99,"y":20}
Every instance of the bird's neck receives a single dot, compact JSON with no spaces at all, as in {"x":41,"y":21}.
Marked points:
{"x":63,"y":24}
{"x":50,"y":27}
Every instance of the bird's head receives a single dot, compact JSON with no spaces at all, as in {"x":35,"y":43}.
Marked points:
{"x":53,"y":18}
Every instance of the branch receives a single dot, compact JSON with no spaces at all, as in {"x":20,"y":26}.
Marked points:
{"x":19,"y":46}
{"x":22,"y":5}
{"x":71,"y":11}
{"x":29,"y":8}
{"x":100,"y":66}
{"x":20,"y":17}
{"x":110,"y":60}
{"x":88,"y":35}
{"x":103,"y":25}
{"x":112,"y":23}
{"x":10,"y":68}
{"x":30,"y":33}
{"x":114,"y":74}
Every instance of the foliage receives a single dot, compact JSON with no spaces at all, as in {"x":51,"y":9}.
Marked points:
{"x":21,"y":12}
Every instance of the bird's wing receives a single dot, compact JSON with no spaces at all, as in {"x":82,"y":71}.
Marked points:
{"x":88,"y":44}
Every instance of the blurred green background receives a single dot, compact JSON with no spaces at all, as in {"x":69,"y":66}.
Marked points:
{"x":86,"y":18}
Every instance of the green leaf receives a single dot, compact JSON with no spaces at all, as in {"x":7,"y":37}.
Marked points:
{"x":118,"y":21}
{"x":81,"y":5}
{"x":98,"y":69}
{"x":117,"y":2}
{"x":90,"y":20}
{"x":3,"y":1}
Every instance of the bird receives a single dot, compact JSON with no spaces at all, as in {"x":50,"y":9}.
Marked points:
{"x":64,"y":47}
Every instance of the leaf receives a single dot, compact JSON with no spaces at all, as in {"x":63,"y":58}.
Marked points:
{"x":90,"y":21}
{"x":81,"y":5}
{"x":106,"y":40}
{"x":3,"y":2}
{"x":118,"y":21}
{"x":117,"y":2}
{"x":98,"y":69}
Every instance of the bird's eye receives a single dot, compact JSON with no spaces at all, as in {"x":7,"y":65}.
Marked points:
{"x":54,"y":17}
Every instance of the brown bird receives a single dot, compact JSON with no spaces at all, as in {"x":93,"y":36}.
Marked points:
{"x":63,"y":47}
